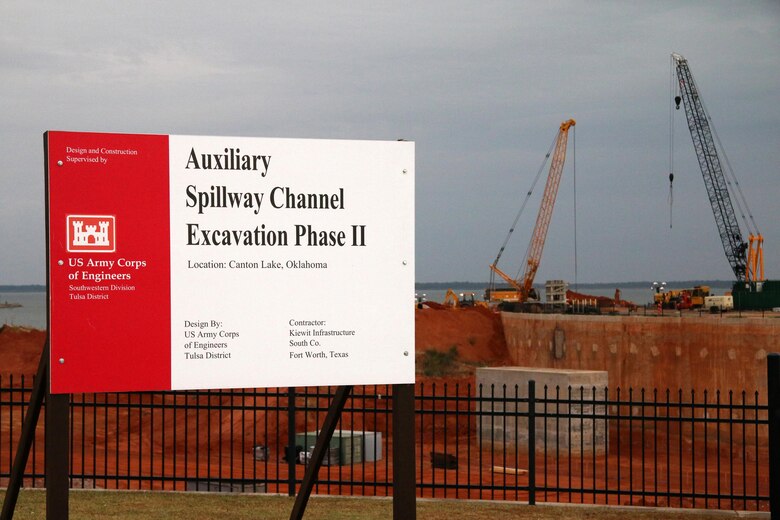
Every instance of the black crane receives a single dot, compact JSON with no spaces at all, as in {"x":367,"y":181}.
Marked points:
{"x":743,"y":257}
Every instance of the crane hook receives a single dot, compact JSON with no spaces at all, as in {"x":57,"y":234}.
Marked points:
{"x":671,"y":197}
{"x":677,"y":100}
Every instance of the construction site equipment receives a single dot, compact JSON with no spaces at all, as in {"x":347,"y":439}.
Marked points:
{"x":745,"y":258}
{"x":719,"y":303}
{"x":455,"y":301}
{"x":521,"y":289}
{"x":555,"y":292}
{"x":683,"y":298}
{"x":751,"y":290}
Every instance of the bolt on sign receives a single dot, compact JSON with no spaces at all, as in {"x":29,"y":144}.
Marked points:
{"x":194,"y":262}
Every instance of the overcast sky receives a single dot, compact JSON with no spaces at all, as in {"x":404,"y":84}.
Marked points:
{"x":481,"y":87}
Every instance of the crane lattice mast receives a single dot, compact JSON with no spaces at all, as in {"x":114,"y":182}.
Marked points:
{"x":525,"y":284}
{"x":735,"y":247}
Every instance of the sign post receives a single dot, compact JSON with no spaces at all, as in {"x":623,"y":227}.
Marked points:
{"x":39,"y":390}
{"x":404,"y":498}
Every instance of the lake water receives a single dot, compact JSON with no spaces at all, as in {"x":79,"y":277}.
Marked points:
{"x":32,"y":313}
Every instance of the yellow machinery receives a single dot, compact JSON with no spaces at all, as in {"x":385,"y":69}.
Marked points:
{"x":682,"y":298}
{"x":522,"y":289}
{"x":451,"y":299}
{"x":456,"y":301}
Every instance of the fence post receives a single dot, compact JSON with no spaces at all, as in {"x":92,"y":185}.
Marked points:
{"x":773,"y":387}
{"x":291,"y":451}
{"x":532,"y":442}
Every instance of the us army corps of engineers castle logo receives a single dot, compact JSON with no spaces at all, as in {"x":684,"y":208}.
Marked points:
{"x":91,"y":234}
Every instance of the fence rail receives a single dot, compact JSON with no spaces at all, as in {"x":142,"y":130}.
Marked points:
{"x":581,"y":445}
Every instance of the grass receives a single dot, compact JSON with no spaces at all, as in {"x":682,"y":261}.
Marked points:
{"x":437,"y":364}
{"x":150,"y":505}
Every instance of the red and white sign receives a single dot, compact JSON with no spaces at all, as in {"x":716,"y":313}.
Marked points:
{"x":185,"y":262}
{"x":91,"y":234}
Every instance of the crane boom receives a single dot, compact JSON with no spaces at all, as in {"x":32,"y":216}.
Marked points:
{"x":712,"y":171}
{"x":525,"y":284}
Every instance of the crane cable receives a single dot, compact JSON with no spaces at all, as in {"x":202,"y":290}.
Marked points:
{"x":730,"y":176}
{"x":538,"y":175}
{"x":522,"y":208}
{"x":673,"y":91}
{"x":530,"y":244}
{"x":732,"y":181}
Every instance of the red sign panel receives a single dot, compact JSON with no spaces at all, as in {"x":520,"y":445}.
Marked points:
{"x":108,"y":245}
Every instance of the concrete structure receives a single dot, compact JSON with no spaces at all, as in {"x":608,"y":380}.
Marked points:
{"x":224,"y":487}
{"x":555,"y":291}
{"x":346,"y":447}
{"x":503,"y":387}
{"x":711,"y":352}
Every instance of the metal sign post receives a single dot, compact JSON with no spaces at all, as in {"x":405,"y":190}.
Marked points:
{"x":404,"y":497}
{"x":57,"y":435}
{"x":40,"y":387}
{"x":320,"y":448}
{"x":404,"y":492}
{"x":57,"y":460}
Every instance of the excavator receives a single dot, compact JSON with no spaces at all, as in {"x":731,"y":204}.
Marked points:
{"x":745,"y":258}
{"x":455,"y":301}
{"x":521,"y":290}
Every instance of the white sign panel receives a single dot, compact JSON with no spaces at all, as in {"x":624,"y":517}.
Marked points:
{"x":290,"y":261}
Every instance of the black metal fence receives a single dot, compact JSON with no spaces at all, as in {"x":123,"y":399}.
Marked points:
{"x":590,"y":445}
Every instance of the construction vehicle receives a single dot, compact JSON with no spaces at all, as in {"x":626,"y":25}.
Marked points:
{"x":521,"y":290}
{"x":455,"y":301}
{"x":682,"y":299}
{"x":745,"y":258}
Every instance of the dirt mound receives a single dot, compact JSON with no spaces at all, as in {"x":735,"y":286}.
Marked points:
{"x":600,"y":301}
{"x":476,"y":333}
{"x":20,"y":350}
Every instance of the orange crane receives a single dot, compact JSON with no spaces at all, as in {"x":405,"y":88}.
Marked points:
{"x":523,"y":287}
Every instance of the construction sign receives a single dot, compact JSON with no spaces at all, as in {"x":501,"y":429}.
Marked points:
{"x":193,"y":262}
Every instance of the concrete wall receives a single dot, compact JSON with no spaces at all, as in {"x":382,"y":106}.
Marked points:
{"x":585,"y":431}
{"x":707,"y":352}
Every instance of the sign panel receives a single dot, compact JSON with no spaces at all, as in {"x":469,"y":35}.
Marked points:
{"x":193,"y":262}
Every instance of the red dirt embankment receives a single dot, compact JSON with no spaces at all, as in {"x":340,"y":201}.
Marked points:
{"x":20,"y":350}
{"x":476,"y":333}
